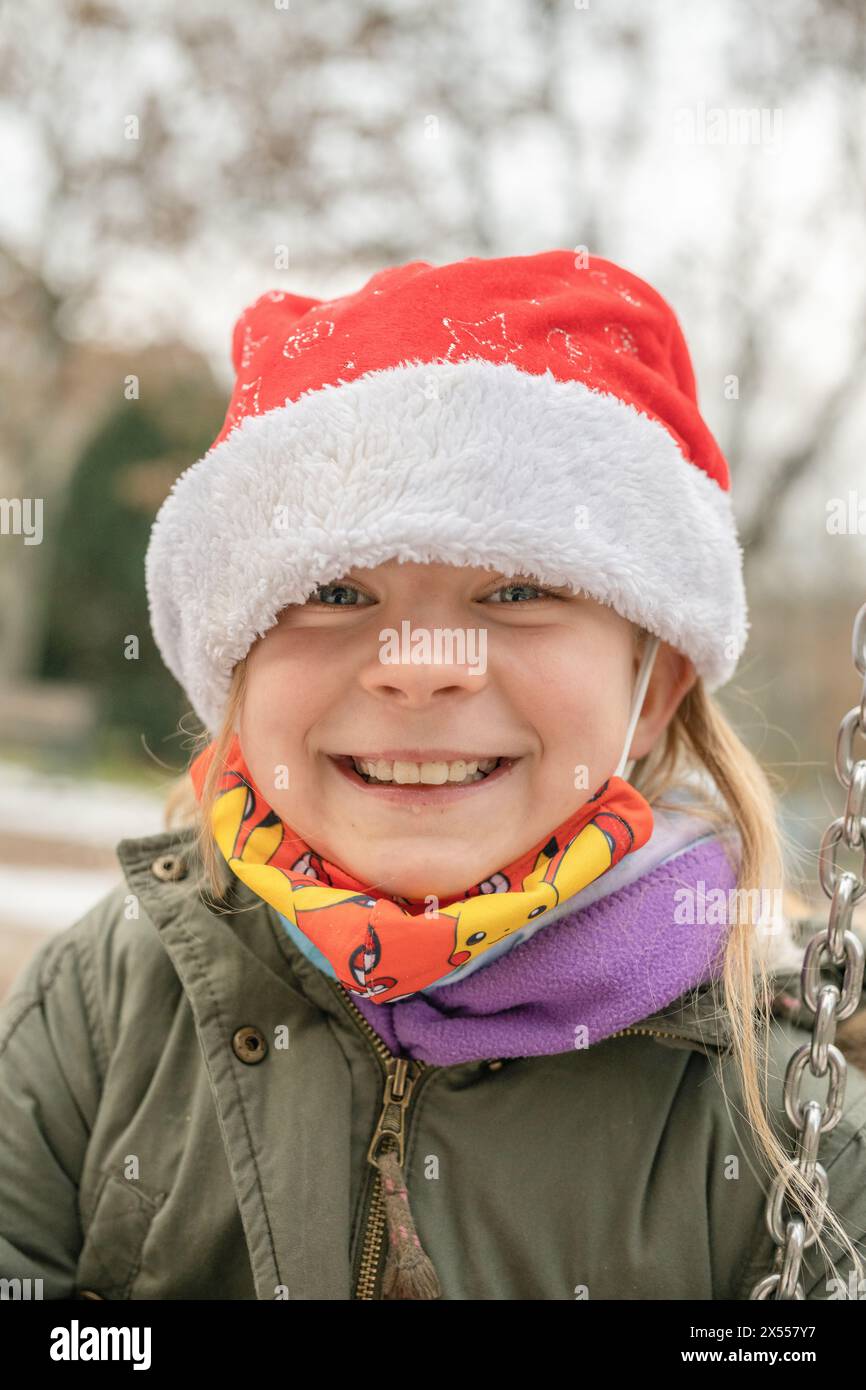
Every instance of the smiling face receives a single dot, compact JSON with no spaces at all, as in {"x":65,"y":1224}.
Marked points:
{"x":542,"y":678}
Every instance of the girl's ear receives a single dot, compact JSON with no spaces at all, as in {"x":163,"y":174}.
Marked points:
{"x":673,"y":676}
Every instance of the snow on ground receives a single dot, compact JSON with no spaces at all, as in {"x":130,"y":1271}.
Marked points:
{"x":55,"y":808}
{"x":81,"y":812}
{"x":50,"y":899}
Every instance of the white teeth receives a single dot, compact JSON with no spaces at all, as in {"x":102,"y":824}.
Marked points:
{"x":431,"y":774}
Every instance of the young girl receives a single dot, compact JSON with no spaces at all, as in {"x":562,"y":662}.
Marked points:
{"x":440,"y":983}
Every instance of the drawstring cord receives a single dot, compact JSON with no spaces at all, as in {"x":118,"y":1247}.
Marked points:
{"x":625,"y":768}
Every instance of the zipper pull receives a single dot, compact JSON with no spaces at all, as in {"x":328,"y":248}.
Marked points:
{"x":399,"y":1083}
{"x":409,"y":1271}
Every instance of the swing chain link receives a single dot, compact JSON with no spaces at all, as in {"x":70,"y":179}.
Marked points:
{"x":830,"y":1005}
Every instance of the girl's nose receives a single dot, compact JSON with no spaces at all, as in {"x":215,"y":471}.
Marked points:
{"x":414,"y":664}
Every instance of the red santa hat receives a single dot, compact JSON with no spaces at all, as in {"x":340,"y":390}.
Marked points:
{"x":529,"y":414}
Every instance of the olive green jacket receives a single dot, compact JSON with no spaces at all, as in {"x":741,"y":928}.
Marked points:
{"x":186,"y":1105}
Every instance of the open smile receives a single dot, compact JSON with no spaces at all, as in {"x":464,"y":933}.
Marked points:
{"x":419,"y":781}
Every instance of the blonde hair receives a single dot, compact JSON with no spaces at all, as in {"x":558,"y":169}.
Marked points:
{"x":698,"y":740}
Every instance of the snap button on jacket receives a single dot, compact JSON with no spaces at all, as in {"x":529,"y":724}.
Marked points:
{"x":140,"y":1159}
{"x":249,"y":1044}
{"x":169,"y":867}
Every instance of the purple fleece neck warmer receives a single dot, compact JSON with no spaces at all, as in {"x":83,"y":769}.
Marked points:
{"x":605,"y":966}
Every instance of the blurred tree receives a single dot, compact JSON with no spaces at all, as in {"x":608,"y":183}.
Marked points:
{"x":95,"y":600}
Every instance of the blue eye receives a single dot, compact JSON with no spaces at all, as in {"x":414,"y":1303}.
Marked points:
{"x":535,"y":588}
{"x":339,"y":589}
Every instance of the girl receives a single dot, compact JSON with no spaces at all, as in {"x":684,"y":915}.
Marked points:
{"x":440,"y":983}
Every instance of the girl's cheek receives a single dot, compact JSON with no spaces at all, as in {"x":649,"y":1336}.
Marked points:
{"x":280,"y":719}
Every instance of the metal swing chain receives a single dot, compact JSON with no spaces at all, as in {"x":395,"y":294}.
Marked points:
{"x":829,"y":1004}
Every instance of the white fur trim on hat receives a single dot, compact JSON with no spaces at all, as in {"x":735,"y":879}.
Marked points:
{"x":468,"y":463}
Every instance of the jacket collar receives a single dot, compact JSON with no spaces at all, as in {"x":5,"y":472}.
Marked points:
{"x":165,"y":874}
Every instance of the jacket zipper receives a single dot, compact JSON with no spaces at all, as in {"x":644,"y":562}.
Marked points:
{"x":390,"y":1130}
{"x":401,"y":1076}
{"x":656,"y":1033}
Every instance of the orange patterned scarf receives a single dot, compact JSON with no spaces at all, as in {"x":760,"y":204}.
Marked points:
{"x":387,"y":948}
